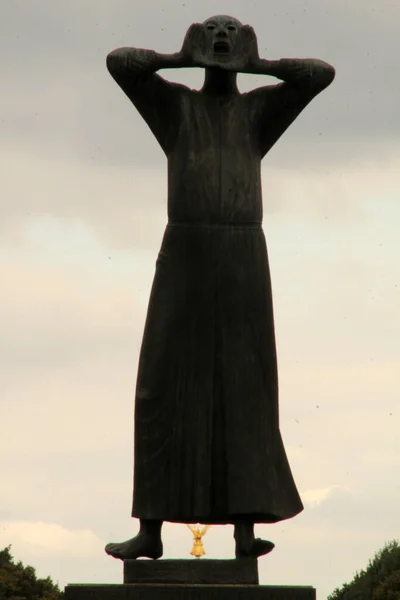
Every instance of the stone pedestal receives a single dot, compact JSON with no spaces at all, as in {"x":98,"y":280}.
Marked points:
{"x":192,"y":571}
{"x":203,"y":579}
{"x":160,"y":591}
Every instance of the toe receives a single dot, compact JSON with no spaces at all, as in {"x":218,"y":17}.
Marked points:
{"x":262,"y":547}
{"x":112,"y":549}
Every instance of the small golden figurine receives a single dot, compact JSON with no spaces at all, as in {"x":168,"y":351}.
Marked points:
{"x":198,"y":533}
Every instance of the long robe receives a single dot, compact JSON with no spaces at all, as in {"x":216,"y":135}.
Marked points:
{"x":207,"y":442}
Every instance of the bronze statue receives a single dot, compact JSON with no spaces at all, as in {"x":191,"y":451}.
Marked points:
{"x":208,"y":448}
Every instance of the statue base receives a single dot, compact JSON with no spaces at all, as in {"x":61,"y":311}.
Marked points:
{"x":205,"y":579}
{"x":192,"y":571}
{"x":161,"y":591}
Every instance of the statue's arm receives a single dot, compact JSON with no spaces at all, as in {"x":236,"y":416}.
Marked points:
{"x":157,"y":100}
{"x":276,"y":107}
{"x":133,"y":66}
{"x":309,"y":74}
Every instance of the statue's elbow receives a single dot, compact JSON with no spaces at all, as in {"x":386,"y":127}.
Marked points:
{"x":329,"y":73}
{"x":326,"y":74}
{"x":114,"y":60}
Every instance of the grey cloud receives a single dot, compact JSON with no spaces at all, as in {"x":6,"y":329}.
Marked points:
{"x":74,"y":148}
{"x":366,"y":507}
{"x":47,"y":47}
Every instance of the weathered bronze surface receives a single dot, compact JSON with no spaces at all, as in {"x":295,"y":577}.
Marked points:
{"x":208,"y":447}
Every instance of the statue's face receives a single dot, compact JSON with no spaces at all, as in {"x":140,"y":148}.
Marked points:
{"x":222,"y":37}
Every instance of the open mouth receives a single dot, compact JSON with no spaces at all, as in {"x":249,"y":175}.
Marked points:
{"x":221,"y":47}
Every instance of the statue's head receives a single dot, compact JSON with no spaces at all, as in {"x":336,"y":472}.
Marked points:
{"x":222,"y":38}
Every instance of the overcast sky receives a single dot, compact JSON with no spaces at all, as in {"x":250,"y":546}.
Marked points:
{"x":82,"y":193}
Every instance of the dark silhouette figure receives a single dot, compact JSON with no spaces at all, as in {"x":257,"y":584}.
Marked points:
{"x":208,"y":447}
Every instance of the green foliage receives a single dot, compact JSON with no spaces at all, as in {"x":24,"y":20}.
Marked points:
{"x":18,"y":582}
{"x":379,"y":581}
{"x":389,"y":589}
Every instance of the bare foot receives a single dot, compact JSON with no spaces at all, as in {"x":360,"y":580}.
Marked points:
{"x":258,"y":548}
{"x":141,"y":545}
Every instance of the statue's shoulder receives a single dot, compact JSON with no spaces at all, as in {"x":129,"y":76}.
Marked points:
{"x":190,"y":97}
{"x":261,"y":93}
{"x":179,"y":88}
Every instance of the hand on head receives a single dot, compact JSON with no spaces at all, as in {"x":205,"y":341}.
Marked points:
{"x":220,"y":42}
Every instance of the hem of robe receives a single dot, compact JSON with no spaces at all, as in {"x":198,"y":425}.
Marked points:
{"x":223,"y":520}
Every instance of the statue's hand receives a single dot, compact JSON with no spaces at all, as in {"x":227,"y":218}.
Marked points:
{"x":191,"y":51}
